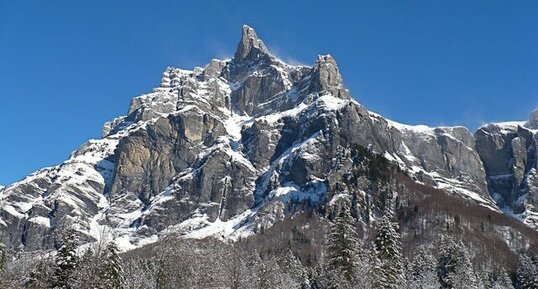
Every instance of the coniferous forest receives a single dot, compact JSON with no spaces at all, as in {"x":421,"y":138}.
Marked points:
{"x":345,"y":260}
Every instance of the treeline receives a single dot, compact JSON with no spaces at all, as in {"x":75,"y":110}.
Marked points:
{"x":70,"y":266}
{"x":347,"y":261}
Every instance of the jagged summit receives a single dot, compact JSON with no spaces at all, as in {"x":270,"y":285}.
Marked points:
{"x":328,"y":77}
{"x":230,"y":149}
{"x":249,"y":45}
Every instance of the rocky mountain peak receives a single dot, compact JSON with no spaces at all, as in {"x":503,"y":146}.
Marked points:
{"x":328,"y":78}
{"x":232,"y":148}
{"x":249,"y":45}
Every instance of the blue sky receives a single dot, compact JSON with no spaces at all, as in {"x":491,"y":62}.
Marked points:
{"x":68,"y":66}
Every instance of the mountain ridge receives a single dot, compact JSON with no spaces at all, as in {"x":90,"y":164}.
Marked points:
{"x":230,"y":149}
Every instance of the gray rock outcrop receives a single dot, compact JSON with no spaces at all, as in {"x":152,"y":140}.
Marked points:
{"x":508,"y":151}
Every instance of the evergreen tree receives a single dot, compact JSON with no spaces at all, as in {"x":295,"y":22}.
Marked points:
{"x":534,"y":260}
{"x":140,"y":274}
{"x":526,"y":274}
{"x":3,"y":261}
{"x":454,"y":267}
{"x":370,"y":276}
{"x":87,"y":271}
{"x":388,"y":250}
{"x":481,"y":279}
{"x":3,"y":257}
{"x":312,"y":278}
{"x":501,"y":281}
{"x":112,"y":271}
{"x":316,"y":279}
{"x":161,"y":275}
{"x":421,"y":273}
{"x":293,"y":272}
{"x":38,"y":277}
{"x":66,"y":261}
{"x":343,"y":246}
{"x":266,"y":271}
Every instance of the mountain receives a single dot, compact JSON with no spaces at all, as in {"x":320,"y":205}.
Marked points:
{"x":235,"y":148}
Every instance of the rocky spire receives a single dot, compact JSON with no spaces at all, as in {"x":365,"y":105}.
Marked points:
{"x":249,"y":44}
{"x":326,"y":77}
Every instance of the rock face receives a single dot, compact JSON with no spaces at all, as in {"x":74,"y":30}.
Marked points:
{"x":508,"y":151}
{"x":237,"y":145}
{"x":250,"y":47}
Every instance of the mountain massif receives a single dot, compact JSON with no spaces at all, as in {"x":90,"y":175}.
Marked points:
{"x":244,"y":146}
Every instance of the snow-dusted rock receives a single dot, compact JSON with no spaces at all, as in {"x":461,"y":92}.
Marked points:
{"x":225,"y":149}
{"x":508,"y":151}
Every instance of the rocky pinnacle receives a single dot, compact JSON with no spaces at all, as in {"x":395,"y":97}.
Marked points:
{"x":250,"y":43}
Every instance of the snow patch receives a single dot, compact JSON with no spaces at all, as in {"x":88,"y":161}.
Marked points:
{"x":200,"y":227}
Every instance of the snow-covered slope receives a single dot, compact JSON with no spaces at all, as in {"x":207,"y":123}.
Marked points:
{"x":226,"y":150}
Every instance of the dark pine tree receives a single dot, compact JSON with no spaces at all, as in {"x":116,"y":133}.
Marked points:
{"x":389,"y":252}
{"x":454,"y":268}
{"x":527,"y":273}
{"x":343,"y":244}
{"x":66,"y":261}
{"x":2,"y":264}
{"x":421,"y":272}
{"x":112,"y":271}
{"x":38,"y":276}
